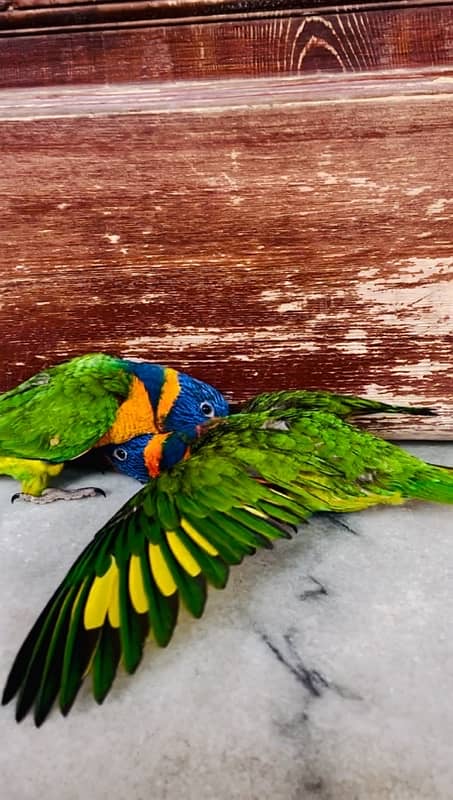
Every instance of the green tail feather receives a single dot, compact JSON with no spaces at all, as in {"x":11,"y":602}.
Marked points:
{"x":433,"y":484}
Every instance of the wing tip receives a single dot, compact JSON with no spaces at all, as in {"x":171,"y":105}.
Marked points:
{"x":7,"y":695}
{"x":40,"y":716}
{"x":419,"y":411}
{"x":21,"y":711}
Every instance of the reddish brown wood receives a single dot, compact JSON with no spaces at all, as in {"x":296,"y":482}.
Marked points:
{"x":87,"y":51}
{"x":296,"y":233}
{"x":191,"y":8}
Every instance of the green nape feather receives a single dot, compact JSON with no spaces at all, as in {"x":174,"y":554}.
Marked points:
{"x":57,"y":415}
{"x":250,"y":479}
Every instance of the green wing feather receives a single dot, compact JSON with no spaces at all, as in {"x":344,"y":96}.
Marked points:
{"x":249,"y":481}
{"x":41,"y":420}
{"x":343,"y":406}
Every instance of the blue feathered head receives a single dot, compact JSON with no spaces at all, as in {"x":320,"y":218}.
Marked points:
{"x":144,"y":457}
{"x":180,"y":402}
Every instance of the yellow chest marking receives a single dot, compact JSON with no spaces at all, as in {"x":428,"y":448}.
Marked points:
{"x":134,"y":417}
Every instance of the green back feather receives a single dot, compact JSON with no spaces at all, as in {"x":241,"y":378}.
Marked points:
{"x":61,"y":412}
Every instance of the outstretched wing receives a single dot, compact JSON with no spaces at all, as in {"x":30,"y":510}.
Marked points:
{"x":343,"y":406}
{"x":250,"y":480}
{"x":163,"y":546}
{"x":59,"y":413}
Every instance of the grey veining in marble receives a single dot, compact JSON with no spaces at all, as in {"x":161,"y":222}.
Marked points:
{"x":324,"y":671}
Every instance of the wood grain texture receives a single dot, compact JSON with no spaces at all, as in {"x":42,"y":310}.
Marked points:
{"x":208,"y":8}
{"x":295,"y":234}
{"x":183,"y":10}
{"x":126,"y":45}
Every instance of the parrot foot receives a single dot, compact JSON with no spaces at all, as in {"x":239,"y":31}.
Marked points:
{"x":50,"y":495}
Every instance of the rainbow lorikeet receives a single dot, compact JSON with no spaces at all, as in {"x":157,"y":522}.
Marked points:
{"x":213,"y":497}
{"x":87,"y":402}
{"x":128,"y":456}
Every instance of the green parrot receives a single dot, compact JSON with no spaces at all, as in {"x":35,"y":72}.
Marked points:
{"x":214,"y":496}
{"x":91,"y":401}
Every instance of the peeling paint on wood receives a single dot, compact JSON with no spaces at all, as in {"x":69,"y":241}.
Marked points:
{"x":260,"y":246}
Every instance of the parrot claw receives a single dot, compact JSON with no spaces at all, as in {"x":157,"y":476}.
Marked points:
{"x":50,"y":495}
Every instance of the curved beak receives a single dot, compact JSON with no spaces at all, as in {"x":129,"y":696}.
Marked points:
{"x":210,"y":423}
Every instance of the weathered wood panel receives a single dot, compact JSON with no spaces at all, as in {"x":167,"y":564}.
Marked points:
{"x":296,"y":234}
{"x":165,"y":9}
{"x":121,"y":43}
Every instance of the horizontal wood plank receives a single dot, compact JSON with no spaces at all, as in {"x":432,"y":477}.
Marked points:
{"x":300,"y":240}
{"x":183,"y":9}
{"x":213,"y":96}
{"x":122,"y":43}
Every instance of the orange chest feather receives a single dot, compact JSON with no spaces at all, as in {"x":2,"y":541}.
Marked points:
{"x":134,"y":417}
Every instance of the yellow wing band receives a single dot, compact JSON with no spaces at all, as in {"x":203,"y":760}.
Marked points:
{"x":161,"y":573}
{"x":101,"y":600}
{"x":136,"y":586}
{"x":181,"y":553}
{"x":198,"y":538}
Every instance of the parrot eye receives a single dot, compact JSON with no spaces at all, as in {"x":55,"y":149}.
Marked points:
{"x":207,"y":409}
{"x":120,"y":454}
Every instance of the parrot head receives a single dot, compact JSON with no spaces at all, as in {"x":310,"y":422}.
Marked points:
{"x":180,"y":402}
{"x":196,"y":403}
{"x":144,"y":457}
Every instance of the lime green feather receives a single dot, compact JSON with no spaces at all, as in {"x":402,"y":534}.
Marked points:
{"x":250,"y":479}
{"x":40,"y":420}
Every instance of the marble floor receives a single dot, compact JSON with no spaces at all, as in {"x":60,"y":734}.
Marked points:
{"x":324,"y":671}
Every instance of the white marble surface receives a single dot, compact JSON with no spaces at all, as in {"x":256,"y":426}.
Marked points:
{"x":276,"y":693}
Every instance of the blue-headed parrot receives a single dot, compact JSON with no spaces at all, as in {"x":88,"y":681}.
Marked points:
{"x":88,"y":402}
{"x":128,"y":456}
{"x":214,"y":495}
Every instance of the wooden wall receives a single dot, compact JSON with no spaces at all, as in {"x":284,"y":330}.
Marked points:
{"x":47,"y":45}
{"x":281,"y":217}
